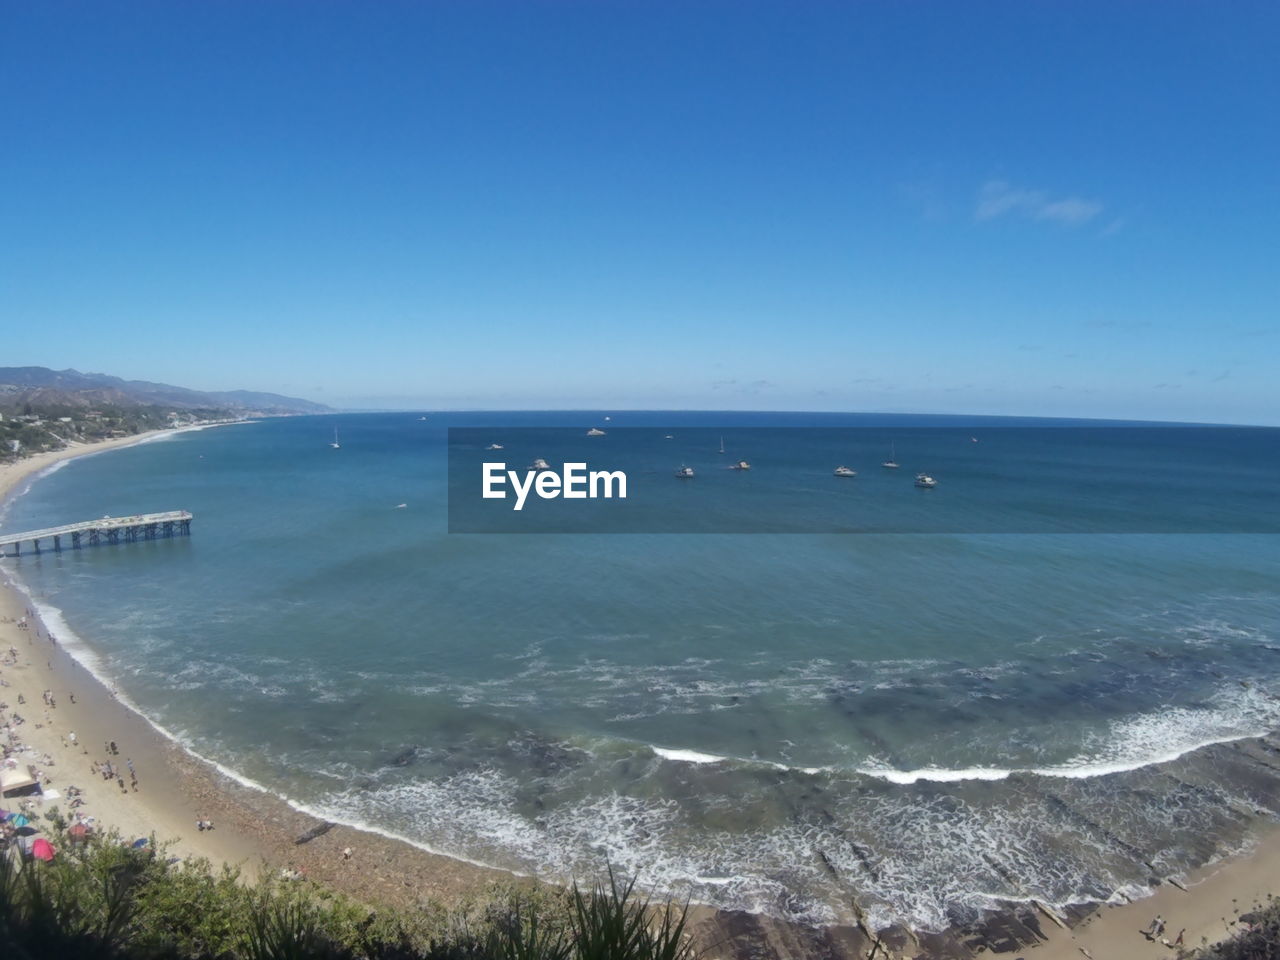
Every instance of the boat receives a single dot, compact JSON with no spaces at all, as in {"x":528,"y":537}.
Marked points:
{"x":846,"y":472}
{"x":668,"y":437}
{"x":595,"y":432}
{"x":540,"y":464}
{"x":741,"y":465}
{"x":892,"y":462}
{"x":926,"y":481}
{"x":722,"y":444}
{"x":494,"y":446}
{"x":684,"y":473}
{"x":335,"y":444}
{"x":422,"y":418}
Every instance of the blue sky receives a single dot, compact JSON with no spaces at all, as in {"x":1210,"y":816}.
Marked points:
{"x":1060,"y":209}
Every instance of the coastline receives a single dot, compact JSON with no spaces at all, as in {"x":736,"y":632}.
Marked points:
{"x":254,"y":829}
{"x":258,"y":830}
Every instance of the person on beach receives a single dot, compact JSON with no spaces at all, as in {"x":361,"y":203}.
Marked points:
{"x":1181,"y":933}
{"x":1156,"y":927}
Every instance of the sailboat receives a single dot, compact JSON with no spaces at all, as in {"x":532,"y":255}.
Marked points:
{"x":892,"y":462}
{"x":722,"y":444}
{"x":335,"y":443}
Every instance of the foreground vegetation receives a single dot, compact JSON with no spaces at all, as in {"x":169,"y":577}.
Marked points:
{"x":1259,"y":941}
{"x":102,"y":899}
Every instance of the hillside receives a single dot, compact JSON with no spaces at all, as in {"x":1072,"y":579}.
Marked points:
{"x":42,"y":387}
{"x":43,"y":409}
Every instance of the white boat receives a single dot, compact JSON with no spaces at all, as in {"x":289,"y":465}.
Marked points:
{"x":422,"y":418}
{"x":335,"y":443}
{"x":668,"y":437}
{"x":722,"y":444}
{"x":892,"y":462}
{"x":595,"y":432}
{"x":741,"y":465}
{"x":926,"y":481}
{"x":494,"y":446}
{"x":684,"y":473}
{"x":846,"y":472}
{"x":540,"y":464}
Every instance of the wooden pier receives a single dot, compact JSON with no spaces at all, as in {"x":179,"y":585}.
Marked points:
{"x":108,"y":530}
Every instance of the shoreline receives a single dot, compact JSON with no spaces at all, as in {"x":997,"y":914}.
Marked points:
{"x":257,"y":829}
{"x":32,"y":467}
{"x":254,"y":827}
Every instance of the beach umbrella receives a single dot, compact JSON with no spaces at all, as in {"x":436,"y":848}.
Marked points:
{"x":26,"y":831}
{"x":79,"y":831}
{"x":139,"y":843}
{"x":18,"y":819}
{"x":42,"y":849}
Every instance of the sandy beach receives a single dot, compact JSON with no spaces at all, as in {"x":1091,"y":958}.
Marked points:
{"x":259,"y":831}
{"x":1207,"y":910}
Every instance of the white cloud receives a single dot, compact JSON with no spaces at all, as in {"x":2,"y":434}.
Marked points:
{"x":997,"y":198}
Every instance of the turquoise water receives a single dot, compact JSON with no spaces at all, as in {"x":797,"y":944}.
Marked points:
{"x":926,"y":723}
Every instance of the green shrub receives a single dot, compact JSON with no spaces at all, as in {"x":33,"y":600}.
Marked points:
{"x":103,"y":900}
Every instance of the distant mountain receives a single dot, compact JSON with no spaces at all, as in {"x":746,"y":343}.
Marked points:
{"x":40,"y":386}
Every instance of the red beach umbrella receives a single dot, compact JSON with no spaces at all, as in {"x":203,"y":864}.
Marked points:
{"x":42,"y":849}
{"x":79,"y":831}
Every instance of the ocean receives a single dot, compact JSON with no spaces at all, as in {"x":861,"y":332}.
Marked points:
{"x":922,"y":723}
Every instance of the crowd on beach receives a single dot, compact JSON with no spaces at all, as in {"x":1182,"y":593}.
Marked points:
{"x":21,"y":716}
{"x":24,"y":804}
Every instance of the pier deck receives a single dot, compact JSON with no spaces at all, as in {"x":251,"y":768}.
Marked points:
{"x":110,"y":530}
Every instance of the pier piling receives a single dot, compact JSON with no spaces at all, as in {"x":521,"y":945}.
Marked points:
{"x":110,"y":530}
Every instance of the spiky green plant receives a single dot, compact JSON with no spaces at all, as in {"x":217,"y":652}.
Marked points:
{"x":613,"y":923}
{"x":524,"y":932}
{"x":288,"y":928}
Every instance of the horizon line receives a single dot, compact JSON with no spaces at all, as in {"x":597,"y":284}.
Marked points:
{"x":609,"y":411}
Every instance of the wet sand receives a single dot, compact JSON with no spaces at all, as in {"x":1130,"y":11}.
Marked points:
{"x":259,"y":831}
